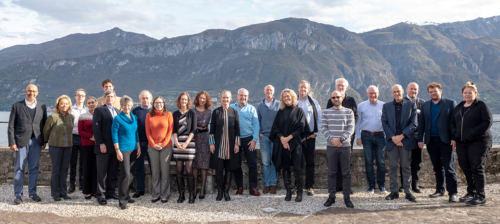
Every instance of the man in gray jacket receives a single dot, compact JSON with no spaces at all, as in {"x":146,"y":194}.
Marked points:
{"x":337,"y":125}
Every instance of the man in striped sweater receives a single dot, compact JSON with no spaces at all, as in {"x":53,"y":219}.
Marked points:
{"x":337,"y":125}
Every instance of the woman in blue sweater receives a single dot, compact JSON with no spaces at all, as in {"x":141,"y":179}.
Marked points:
{"x":126,"y":142}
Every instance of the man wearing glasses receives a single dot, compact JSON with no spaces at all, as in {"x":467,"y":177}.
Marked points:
{"x":78,"y":109}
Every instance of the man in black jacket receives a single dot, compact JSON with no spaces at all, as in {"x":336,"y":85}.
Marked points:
{"x":349,"y":102}
{"x":107,"y":163}
{"x":26,"y":121}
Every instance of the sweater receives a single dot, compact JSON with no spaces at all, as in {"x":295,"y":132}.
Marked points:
{"x":338,"y":124}
{"x":58,"y":130}
{"x":159,"y":128}
{"x":124,"y":132}
{"x":141,"y":122}
{"x":266,"y":115}
{"x":85,"y":129}
{"x":249,"y":122}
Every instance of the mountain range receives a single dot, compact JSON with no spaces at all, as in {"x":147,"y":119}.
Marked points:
{"x":281,"y":53}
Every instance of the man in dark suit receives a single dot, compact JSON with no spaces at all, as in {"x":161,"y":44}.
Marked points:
{"x":399,"y":120}
{"x":26,"y":121}
{"x":107,"y":163}
{"x":416,"y":153}
{"x":349,"y":102}
{"x":435,"y":124}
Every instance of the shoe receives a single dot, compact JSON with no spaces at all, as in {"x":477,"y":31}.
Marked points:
{"x":113,"y":196}
{"x":88,"y":197}
{"x":254,"y":192}
{"x":453,"y":198}
{"x":272,"y":189}
{"x":287,"y":182}
{"x":57,"y":198}
{"x":467,"y":197}
{"x":227,"y":185}
{"x":35,"y":198}
{"x":102,"y":201}
{"x":220,"y":187}
{"x":348,"y":203}
{"x":392,"y":196}
{"x":202,"y":196}
{"x":401,"y":190}
{"x":477,"y":201}
{"x":310,"y":192}
{"x":71,"y":189}
{"x":164,"y":200}
{"x":154,"y":200}
{"x":131,"y":201}
{"x":383,"y":190}
{"x":66,"y":197}
{"x":123,"y":206}
{"x":266,"y":190}
{"x":137,"y":194}
{"x":329,"y":202}
{"x":370,"y":190}
{"x":191,"y":189}
{"x":414,"y":187}
{"x":220,"y":194}
{"x":18,"y":200}
{"x":239,"y":191}
{"x":298,"y":198}
{"x":180,"y":186}
{"x":410,"y":197}
{"x":436,"y":194}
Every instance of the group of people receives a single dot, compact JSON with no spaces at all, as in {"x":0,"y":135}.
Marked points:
{"x":109,"y":135}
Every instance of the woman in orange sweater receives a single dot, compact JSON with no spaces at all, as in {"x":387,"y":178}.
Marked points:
{"x":159,"y":128}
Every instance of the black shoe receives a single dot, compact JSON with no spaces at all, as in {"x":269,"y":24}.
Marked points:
{"x":57,"y":198}
{"x":201,"y":196}
{"x":348,"y":203}
{"x":467,"y":197}
{"x":71,"y":189}
{"x":298,"y":198}
{"x":123,"y":206}
{"x":227,"y":185}
{"x":164,"y":201}
{"x":131,"y":200}
{"x":453,"y":198}
{"x":155,"y":200}
{"x":18,"y":200}
{"x":392,"y":196}
{"x":477,"y":201}
{"x":138,"y":194}
{"x":220,"y":194}
{"x":180,"y":186}
{"x":410,"y":197}
{"x":113,"y":196}
{"x":329,"y":202}
{"x":65,"y":197}
{"x":35,"y":198}
{"x":436,"y":194}
{"x":102,"y":201}
{"x":416,"y":189}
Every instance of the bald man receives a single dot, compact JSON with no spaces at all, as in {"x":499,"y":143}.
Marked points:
{"x":26,"y":121}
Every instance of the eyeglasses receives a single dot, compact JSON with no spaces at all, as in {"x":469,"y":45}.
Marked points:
{"x":80,"y":95}
{"x":336,"y":97}
{"x":31,"y":91}
{"x":158,"y":103}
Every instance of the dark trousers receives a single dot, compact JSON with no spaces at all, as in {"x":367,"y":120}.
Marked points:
{"x":74,"y":160}
{"x":60,"y":157}
{"x":127,"y":168}
{"x":251,"y":162}
{"x":293,"y":158}
{"x":107,"y":171}
{"x":309,"y":146}
{"x":140,"y":174}
{"x":339,"y":170}
{"x":442,"y":158}
{"x":416,"y":160}
{"x":472,"y":158}
{"x":399,"y":155}
{"x":89,"y":170}
{"x":339,"y":156}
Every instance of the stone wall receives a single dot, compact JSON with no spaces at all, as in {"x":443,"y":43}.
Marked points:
{"x":358,"y":170}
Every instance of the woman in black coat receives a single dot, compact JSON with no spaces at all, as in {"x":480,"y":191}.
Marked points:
{"x":470,"y":125}
{"x":286,"y":135}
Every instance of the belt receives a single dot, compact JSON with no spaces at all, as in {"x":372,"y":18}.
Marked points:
{"x":200,"y":131}
{"x":373,"y":133}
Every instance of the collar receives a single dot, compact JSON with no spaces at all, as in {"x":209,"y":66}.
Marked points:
{"x":109,"y":107}
{"x":395,"y":103}
{"x":238,"y":104}
{"x":30,"y":104}
{"x":76,"y":108}
{"x":409,"y":98}
{"x":149,"y":107}
{"x":307,"y":98}
{"x":265,"y":101}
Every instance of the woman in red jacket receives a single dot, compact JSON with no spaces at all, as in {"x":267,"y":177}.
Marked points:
{"x":87,"y":150}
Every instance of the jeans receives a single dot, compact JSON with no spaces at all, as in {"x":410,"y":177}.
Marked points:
{"x":30,"y":154}
{"x":140,"y":174}
{"x":251,"y":162}
{"x":266,"y":152}
{"x":74,"y":160}
{"x":374,"y":144}
{"x":442,"y":159}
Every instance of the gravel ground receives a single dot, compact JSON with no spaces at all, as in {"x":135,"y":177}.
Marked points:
{"x":241,"y":207}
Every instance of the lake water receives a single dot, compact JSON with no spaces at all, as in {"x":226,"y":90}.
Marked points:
{"x":320,"y":141}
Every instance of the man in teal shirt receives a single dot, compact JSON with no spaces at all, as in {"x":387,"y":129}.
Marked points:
{"x":249,"y":133}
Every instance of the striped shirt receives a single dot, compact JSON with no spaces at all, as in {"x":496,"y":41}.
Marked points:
{"x":338,"y":124}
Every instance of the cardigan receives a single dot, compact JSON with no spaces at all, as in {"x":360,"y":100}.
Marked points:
{"x":159,"y":128}
{"x":124,"y":132}
{"x":191,"y":120}
{"x":58,"y":130}
{"x":85,"y":129}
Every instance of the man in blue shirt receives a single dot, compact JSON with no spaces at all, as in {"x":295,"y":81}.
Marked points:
{"x":249,"y":133}
{"x":370,"y":134}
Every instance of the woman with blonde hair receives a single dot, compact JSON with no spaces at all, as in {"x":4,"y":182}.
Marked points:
{"x":57,"y":131}
{"x":286,"y":135}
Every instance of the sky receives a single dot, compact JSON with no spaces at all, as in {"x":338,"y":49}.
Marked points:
{"x":38,"y":21}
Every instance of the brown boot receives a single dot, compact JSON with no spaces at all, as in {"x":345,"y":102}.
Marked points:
{"x":239,"y":191}
{"x":254,"y":192}
{"x":266,"y":190}
{"x":273,"y":189}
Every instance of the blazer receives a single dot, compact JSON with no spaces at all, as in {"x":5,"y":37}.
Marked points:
{"x":101,"y":126}
{"x":21,"y":127}
{"x":442,"y":120}
{"x":408,"y":124}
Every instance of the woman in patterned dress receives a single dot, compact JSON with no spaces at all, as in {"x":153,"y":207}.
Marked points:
{"x":201,"y":161}
{"x":184,"y":149}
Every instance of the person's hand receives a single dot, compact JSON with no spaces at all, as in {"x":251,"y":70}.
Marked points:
{"x":138,"y":152}
{"x":421,"y":145}
{"x":312,"y":136}
{"x":92,"y":138}
{"x":252,"y":145}
{"x":178,"y":146}
{"x":286,"y":146}
{"x":453,"y":144}
{"x":260,"y":135}
{"x":15,"y":149}
{"x":157,"y":147}
{"x":103,"y":148}
{"x":283,"y":140}
{"x":184,"y":145}
{"x":119,"y":155}
{"x":236,"y":148}
{"x":358,"y":142}
{"x":336,"y":142}
{"x":399,"y":144}
{"x":44,"y":146}
{"x":395,"y":139}
{"x":212,"y":148}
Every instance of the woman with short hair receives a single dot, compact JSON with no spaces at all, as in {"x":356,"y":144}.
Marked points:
{"x":470,"y":125}
{"x":87,"y":149}
{"x":126,"y":142}
{"x":57,"y":131}
{"x":201,"y":161}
